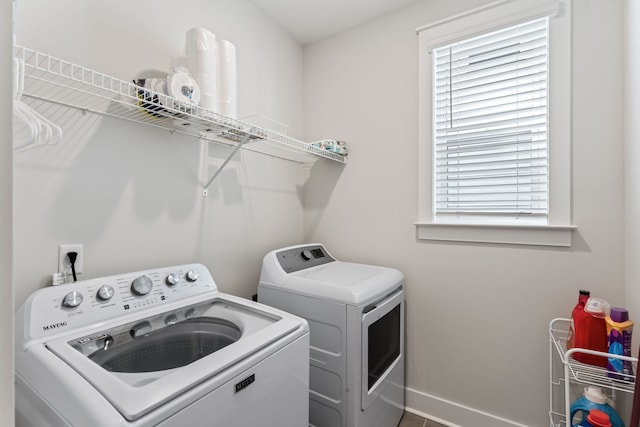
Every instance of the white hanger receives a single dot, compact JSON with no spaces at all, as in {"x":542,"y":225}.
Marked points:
{"x":31,"y":129}
{"x":25,"y":129}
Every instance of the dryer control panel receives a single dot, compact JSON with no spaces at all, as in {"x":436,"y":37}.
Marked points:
{"x":303,"y":257}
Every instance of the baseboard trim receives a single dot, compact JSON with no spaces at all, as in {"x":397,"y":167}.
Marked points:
{"x":450,"y":413}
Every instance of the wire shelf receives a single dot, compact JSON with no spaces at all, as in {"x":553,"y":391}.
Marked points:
{"x":57,"y":81}
{"x":582,"y":372}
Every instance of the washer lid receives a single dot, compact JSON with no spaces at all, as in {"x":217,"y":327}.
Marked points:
{"x":135,"y":390}
{"x":345,"y":282}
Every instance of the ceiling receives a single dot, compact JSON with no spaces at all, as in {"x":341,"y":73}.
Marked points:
{"x":312,"y":20}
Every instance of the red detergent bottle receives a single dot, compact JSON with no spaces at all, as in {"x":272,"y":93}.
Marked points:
{"x":587,"y":331}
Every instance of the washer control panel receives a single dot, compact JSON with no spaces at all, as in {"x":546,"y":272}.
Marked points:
{"x":59,"y":308}
{"x":303,"y":257}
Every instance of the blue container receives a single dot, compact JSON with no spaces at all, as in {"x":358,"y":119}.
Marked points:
{"x":593,"y":398}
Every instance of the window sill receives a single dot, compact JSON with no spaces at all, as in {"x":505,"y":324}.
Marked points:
{"x":538,"y":235}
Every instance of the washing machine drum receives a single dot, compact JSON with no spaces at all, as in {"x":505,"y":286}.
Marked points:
{"x":170,"y":347}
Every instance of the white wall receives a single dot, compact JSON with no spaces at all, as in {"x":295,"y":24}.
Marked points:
{"x":131,"y":194}
{"x":477,"y":314}
{"x":632,"y":160}
{"x":6,"y":302}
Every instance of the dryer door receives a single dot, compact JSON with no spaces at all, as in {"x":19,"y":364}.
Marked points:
{"x":382,"y":344}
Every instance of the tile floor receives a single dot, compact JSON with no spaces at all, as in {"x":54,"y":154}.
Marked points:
{"x":411,"y":420}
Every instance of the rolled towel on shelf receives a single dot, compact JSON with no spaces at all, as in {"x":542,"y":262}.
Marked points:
{"x":333,"y":146}
{"x":179,"y":86}
{"x":200,"y":49}
{"x":226,"y":80}
{"x":183,"y":88}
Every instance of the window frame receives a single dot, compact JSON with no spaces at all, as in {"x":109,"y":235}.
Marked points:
{"x":558,"y":229}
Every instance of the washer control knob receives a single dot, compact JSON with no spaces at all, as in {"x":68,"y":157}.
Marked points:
{"x":191,"y":275}
{"x":72,"y":299}
{"x":306,"y":255}
{"x":141,"y":285}
{"x":105,"y":293}
{"x":172,"y":279}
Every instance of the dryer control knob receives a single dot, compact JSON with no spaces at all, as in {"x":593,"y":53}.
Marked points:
{"x":72,"y":299}
{"x":141,"y":285}
{"x":172,"y":279}
{"x":191,"y":275}
{"x":105,"y":293}
{"x":306,"y":255}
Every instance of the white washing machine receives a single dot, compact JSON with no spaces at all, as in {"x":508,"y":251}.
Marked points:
{"x":160,"y":347}
{"x":356,"y":318}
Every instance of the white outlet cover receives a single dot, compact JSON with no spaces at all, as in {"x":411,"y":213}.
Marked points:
{"x":63,"y":261}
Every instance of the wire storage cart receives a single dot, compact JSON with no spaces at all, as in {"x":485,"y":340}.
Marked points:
{"x":567,"y":376}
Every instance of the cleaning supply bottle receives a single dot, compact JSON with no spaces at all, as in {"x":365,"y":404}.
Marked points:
{"x":619,"y":329}
{"x":587,"y":331}
{"x":596,"y":418}
{"x":593,"y":398}
{"x":582,"y":301}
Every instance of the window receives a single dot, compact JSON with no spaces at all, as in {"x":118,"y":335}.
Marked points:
{"x":490,"y":124}
{"x":495,"y":125}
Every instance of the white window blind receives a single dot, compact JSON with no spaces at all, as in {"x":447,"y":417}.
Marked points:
{"x":490,"y":124}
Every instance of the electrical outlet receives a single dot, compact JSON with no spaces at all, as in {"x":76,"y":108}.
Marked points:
{"x":64,"y":266}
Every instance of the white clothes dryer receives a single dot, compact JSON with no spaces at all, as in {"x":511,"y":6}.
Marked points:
{"x":160,"y":347}
{"x":356,"y":320}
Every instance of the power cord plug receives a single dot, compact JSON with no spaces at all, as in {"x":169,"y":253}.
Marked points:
{"x":72,"y":260}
